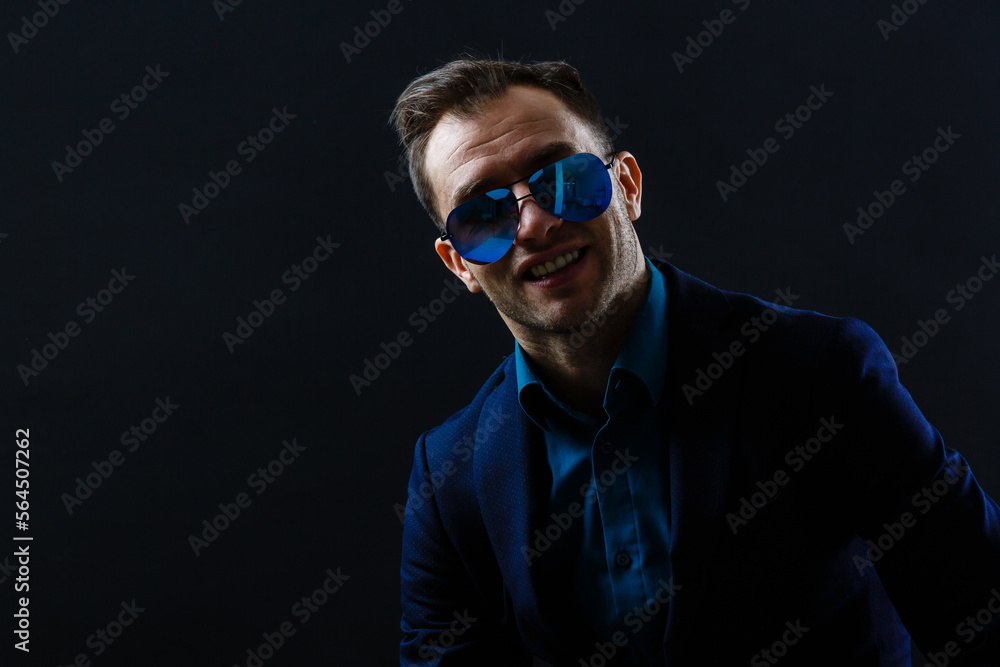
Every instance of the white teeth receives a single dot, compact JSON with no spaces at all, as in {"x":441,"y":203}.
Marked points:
{"x":553,"y":266}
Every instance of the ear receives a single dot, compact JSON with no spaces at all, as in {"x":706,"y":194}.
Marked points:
{"x":456,"y":264}
{"x":630,"y":179}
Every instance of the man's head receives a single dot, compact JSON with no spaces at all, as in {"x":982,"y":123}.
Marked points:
{"x":463,"y":87}
{"x":475,"y":125}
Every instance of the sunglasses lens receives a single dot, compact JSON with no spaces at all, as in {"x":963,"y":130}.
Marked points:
{"x":577,"y":188}
{"x":483,"y":229}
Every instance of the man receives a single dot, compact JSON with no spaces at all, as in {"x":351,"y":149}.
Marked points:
{"x":662,"y":472}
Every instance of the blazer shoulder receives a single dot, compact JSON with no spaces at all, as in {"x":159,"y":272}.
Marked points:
{"x":823,"y":346}
{"x":794,"y":346}
{"x":776,"y":325}
{"x":456,"y":435}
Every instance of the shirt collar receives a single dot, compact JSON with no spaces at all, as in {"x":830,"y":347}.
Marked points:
{"x":643,"y":356}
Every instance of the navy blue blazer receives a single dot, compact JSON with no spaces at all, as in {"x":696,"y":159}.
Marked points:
{"x":816,"y":517}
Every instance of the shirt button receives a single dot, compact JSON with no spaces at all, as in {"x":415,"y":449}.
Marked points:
{"x":607,"y":447}
{"x":622,"y":559}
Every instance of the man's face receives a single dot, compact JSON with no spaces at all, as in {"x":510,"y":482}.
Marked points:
{"x":520,"y":133}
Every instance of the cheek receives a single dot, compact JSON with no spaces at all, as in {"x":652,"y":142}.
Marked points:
{"x":488,"y":275}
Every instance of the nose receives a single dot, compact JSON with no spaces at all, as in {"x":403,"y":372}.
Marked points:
{"x":535,"y":222}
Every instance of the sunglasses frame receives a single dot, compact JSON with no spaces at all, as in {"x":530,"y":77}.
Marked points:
{"x":447,"y":236}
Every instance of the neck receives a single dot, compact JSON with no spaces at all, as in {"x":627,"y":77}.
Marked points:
{"x":575,"y":367}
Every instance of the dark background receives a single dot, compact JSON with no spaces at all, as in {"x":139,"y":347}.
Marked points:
{"x":332,"y":173}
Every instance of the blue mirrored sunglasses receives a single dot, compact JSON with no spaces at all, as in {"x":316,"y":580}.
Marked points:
{"x":576,"y":188}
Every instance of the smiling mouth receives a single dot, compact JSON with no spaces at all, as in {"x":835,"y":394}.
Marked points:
{"x":553,"y":266}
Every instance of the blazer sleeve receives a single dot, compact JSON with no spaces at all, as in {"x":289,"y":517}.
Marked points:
{"x":445,"y":621}
{"x":933,"y":534}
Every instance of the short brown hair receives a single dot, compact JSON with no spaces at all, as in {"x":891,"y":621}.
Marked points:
{"x":464,"y":87}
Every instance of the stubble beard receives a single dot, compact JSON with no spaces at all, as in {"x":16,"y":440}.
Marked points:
{"x":619,"y":279}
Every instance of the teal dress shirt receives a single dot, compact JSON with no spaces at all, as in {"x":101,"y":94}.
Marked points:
{"x":609,"y":504}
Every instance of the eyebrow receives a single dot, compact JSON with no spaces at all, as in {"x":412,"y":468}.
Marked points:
{"x":540,"y":156}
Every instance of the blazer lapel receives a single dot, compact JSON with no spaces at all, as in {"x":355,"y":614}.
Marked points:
{"x":700,"y":429}
{"x":513,"y":481}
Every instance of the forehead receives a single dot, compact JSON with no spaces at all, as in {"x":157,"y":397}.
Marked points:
{"x":494,"y":146}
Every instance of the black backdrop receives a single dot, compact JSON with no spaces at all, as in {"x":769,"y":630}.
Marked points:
{"x":222,"y":74}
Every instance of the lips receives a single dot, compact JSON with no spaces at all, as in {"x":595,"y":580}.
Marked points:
{"x":552,"y":266}
{"x":546,"y":265}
